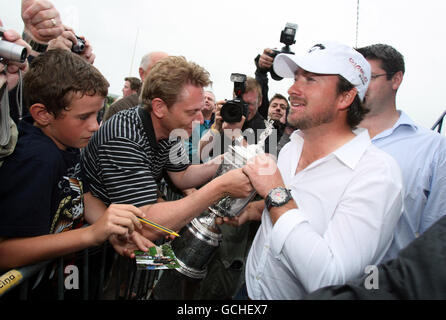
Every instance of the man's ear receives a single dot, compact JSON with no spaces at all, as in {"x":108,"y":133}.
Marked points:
{"x":396,"y":80}
{"x":346,"y":98}
{"x":159,"y":108}
{"x":141,"y":73}
{"x":40,"y":114}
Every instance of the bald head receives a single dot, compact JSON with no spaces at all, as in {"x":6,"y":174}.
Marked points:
{"x":148,"y":61}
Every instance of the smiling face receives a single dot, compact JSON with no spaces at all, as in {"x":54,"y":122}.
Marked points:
{"x":75,"y":126}
{"x":312,"y":99}
{"x":277,"y":110}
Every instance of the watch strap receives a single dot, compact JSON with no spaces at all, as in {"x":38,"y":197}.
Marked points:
{"x":36,"y":46}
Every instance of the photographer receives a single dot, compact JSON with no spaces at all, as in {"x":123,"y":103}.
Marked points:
{"x":9,"y":77}
{"x":263,"y":64}
{"x":222,"y":134}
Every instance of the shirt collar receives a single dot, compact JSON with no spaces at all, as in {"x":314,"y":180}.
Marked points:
{"x":351,"y":152}
{"x":403,"y":121}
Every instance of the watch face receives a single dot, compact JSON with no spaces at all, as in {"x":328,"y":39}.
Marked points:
{"x":279,"y":195}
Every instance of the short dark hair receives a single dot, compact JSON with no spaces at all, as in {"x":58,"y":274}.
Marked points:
{"x":391,"y":60}
{"x":281,"y":97}
{"x":356,"y":111}
{"x":135,"y":83}
{"x":55,"y":76}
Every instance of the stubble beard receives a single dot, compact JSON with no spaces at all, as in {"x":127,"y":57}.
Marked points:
{"x":311,"y":121}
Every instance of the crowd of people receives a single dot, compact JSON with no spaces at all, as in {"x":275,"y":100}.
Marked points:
{"x":347,"y":180}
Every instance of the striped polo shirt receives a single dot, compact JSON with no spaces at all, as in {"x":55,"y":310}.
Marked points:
{"x":123,"y":161}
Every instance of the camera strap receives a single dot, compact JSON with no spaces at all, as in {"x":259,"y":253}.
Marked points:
{"x":19,"y":96}
{"x":5,"y":132}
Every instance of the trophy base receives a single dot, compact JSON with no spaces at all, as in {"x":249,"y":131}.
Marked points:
{"x":194,"y":248}
{"x":173,"y":285}
{"x":196,"y":245}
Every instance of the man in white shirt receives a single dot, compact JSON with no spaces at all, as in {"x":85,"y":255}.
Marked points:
{"x":331,"y":208}
{"x":420,"y":152}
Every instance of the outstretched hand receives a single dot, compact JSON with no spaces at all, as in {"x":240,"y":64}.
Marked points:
{"x":252,"y":212}
{"x":126,"y":246}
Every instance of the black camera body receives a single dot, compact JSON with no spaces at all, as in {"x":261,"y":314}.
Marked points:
{"x":287,"y":37}
{"x":78,"y":47}
{"x":233,"y":110}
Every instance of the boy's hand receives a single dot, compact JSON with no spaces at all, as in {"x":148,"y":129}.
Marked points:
{"x":118,"y":219}
{"x":125,"y":246}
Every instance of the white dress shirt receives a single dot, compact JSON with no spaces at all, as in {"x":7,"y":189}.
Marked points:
{"x":421,"y":155}
{"x":348,"y":202}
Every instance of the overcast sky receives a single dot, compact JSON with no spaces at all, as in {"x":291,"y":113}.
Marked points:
{"x":225,"y":36}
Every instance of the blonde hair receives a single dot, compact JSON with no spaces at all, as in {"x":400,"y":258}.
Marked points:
{"x":167,"y":79}
{"x":252,"y":84}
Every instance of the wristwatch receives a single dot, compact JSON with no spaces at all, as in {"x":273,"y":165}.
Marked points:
{"x":277,"y":197}
{"x":36,"y":46}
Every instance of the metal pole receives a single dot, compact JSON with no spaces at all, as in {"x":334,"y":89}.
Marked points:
{"x":134,"y":50}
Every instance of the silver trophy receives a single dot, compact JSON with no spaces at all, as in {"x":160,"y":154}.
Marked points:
{"x":200,"y":238}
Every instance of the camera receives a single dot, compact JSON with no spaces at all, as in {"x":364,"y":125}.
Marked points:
{"x":233,"y":110}
{"x":78,"y":47}
{"x":11,"y":51}
{"x":287,"y":37}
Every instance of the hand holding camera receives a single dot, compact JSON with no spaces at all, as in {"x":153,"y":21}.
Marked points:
{"x":13,"y":53}
{"x":266,"y":60}
{"x":220,"y":124}
{"x":287,"y":37}
{"x":14,"y":49}
{"x":68,"y":40}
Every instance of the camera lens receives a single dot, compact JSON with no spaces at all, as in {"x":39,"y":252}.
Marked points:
{"x":79,"y":47}
{"x":231,"y":112}
{"x":12,"y":51}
